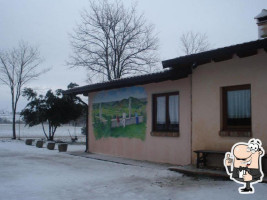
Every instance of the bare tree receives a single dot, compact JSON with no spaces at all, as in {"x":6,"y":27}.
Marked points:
{"x":18,"y":67}
{"x":192,"y":42}
{"x":113,"y":41}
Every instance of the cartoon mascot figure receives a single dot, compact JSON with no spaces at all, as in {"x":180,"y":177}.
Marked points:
{"x":243,"y":164}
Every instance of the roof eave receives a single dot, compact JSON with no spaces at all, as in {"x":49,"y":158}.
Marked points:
{"x":217,"y":55}
{"x":172,"y":74}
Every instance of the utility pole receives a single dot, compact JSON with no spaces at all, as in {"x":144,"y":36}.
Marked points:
{"x":130,"y":107}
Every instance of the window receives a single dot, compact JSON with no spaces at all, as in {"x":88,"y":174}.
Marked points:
{"x":236,"y":108}
{"x":165,"y":112}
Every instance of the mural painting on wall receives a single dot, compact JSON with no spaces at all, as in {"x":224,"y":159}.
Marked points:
{"x":120,"y":113}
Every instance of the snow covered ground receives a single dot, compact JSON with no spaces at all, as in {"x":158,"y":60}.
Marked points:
{"x":28,"y":173}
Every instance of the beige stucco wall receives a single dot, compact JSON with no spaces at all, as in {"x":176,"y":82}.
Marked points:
{"x":206,"y":103}
{"x":174,"y":150}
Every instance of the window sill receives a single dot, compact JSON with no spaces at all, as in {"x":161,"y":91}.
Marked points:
{"x":164,"y":134}
{"x":235,"y":133}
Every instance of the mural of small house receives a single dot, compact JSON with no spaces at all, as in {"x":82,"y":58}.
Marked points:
{"x":204,"y":101}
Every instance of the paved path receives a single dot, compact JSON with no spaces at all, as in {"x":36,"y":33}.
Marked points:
{"x":118,"y":160}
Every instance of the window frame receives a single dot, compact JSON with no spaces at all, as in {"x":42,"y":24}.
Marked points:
{"x":167,"y":118}
{"x":225,"y":126}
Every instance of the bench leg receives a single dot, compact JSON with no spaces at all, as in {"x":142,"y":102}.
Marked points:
{"x":204,"y":159}
{"x":198,"y":160}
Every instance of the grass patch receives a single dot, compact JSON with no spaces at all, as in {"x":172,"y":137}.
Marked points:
{"x":130,"y":131}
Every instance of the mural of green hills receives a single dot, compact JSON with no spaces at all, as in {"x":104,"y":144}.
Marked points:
{"x":120,"y":113}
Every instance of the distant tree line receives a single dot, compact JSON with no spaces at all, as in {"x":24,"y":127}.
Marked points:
{"x":5,"y":121}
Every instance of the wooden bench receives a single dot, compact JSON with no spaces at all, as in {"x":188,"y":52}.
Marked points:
{"x":202,"y":156}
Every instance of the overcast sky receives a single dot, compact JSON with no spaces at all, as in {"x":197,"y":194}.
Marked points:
{"x":47,"y":23}
{"x":119,"y":94}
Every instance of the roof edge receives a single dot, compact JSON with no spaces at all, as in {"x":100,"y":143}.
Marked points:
{"x":170,"y":74}
{"x":217,"y":55}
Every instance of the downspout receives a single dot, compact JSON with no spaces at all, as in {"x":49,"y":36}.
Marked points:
{"x":86,"y":128}
{"x":192,"y":67}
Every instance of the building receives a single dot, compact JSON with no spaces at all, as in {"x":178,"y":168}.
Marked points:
{"x":207,"y":101}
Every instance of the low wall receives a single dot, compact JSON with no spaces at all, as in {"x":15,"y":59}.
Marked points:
{"x":128,"y":121}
